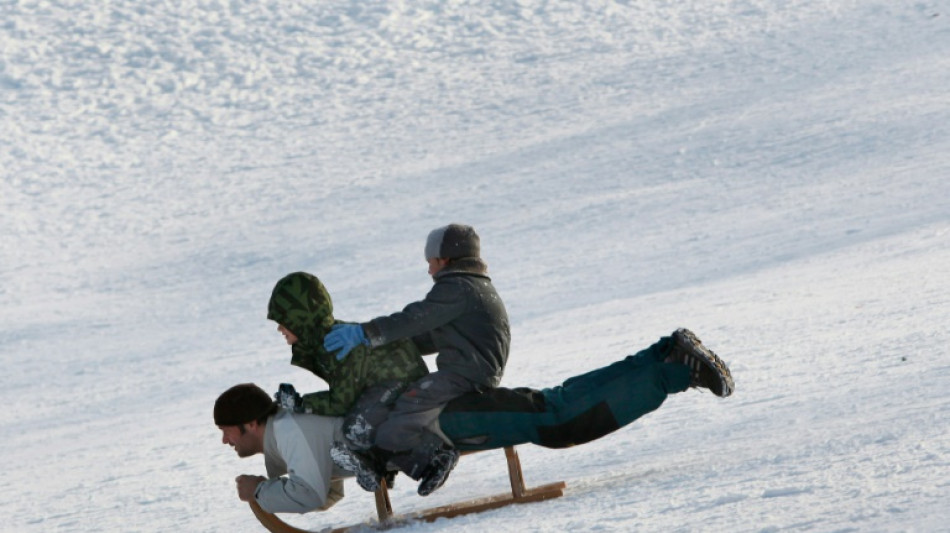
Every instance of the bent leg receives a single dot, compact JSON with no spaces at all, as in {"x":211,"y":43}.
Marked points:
{"x":369,"y":412}
{"x":417,"y":407}
{"x":405,"y":433}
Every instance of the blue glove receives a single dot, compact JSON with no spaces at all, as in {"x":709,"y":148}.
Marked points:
{"x":344,"y":337}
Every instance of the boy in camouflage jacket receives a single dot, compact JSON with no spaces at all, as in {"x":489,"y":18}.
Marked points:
{"x":301,"y":305}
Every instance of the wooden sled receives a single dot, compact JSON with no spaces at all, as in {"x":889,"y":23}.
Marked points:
{"x":387,"y":519}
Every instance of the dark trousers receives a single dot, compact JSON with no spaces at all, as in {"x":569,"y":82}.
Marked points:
{"x":417,"y":408}
{"x":583,"y":408}
{"x":398,"y":430}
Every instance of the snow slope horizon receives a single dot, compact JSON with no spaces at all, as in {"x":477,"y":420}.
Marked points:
{"x":772,"y":176}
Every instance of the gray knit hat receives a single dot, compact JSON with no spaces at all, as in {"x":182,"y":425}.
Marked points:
{"x":242,"y":404}
{"x":452,"y":242}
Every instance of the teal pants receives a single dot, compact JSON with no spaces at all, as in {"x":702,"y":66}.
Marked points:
{"x":583,"y":408}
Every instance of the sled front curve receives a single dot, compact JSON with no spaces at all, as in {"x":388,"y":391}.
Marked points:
{"x":387,"y":519}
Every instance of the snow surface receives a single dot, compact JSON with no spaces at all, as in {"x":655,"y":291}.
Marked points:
{"x":772,"y":174}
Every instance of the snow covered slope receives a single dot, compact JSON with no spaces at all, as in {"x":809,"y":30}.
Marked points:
{"x":771,"y":174}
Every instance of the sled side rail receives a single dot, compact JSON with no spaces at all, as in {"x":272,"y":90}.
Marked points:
{"x":388,"y":518}
{"x":519,"y":494}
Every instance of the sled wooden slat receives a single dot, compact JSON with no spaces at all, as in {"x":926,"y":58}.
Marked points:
{"x":543,"y":492}
{"x":271,"y":522}
{"x":514,"y":472}
{"x":388,"y":519}
{"x":384,"y":507}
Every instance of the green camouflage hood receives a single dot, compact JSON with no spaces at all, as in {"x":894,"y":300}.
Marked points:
{"x":301,"y":304}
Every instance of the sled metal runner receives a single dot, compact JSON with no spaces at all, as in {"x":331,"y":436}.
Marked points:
{"x":388,"y":519}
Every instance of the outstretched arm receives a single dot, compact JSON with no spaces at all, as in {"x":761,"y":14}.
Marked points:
{"x":444,"y":303}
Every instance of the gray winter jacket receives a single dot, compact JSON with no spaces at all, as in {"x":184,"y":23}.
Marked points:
{"x":302,"y":476}
{"x":462,"y":318}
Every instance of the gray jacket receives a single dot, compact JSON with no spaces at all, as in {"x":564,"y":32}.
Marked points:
{"x":302,"y":476}
{"x":462,"y":318}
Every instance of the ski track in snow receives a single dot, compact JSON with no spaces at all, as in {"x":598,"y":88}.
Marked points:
{"x":770,"y":174}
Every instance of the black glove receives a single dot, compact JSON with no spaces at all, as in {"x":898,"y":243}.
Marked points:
{"x":289,"y":398}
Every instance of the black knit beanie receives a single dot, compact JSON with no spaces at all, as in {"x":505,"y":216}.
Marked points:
{"x":241,"y":404}
{"x":454,"y":241}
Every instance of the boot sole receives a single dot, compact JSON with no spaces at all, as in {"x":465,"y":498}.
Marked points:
{"x":688,"y":338}
{"x":427,"y":487}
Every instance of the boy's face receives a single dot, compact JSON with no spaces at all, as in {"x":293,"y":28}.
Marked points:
{"x":291,"y":338}
{"x":436,"y":264}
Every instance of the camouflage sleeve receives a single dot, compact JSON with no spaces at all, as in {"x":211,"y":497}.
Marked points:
{"x":346,"y":380}
{"x":363,"y":367}
{"x":312,"y":357}
{"x":399,"y":360}
{"x":333,"y":402}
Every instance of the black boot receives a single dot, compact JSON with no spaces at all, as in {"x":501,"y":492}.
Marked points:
{"x":443,"y":461}
{"x":707,"y":370}
{"x":366,"y":466}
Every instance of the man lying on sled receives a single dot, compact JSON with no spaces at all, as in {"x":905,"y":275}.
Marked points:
{"x":302,"y":476}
